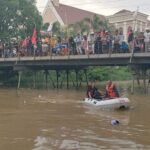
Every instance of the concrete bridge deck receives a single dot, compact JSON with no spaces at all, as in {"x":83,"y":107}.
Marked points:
{"x":74,"y":61}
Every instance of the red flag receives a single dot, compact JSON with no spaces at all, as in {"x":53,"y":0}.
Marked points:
{"x":33,"y":39}
{"x":25,"y":42}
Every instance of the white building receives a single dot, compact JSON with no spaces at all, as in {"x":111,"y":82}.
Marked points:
{"x":126,"y":20}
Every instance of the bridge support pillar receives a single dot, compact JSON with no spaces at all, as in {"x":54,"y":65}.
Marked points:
{"x":77,"y":78}
{"x":133,"y":86}
{"x":51,"y":80}
{"x":34,"y":79}
{"x":141,"y":74}
{"x":86,"y":77}
{"x":46,"y":78}
{"x":57,"y":78}
{"x":67,"y":72}
{"x":19,"y":78}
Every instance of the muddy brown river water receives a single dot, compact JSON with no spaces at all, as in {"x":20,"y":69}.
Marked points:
{"x":60,"y":120}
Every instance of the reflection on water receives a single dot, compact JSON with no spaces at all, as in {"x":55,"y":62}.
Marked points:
{"x":60,"y":120}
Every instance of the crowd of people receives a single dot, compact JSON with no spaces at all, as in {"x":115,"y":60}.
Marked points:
{"x":100,"y":42}
{"x":94,"y":43}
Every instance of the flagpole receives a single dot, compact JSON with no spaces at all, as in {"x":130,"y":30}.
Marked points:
{"x":135,"y":16}
{"x":34,"y":40}
{"x":34,"y":44}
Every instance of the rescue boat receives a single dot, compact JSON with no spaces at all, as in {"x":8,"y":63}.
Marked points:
{"x":115,"y":103}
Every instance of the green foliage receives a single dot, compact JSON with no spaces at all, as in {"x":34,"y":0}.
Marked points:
{"x":84,"y":26}
{"x":45,"y":26}
{"x":56,"y":29}
{"x":109,"y":73}
{"x":95,"y":23}
{"x":94,"y":73}
{"x":18,"y":18}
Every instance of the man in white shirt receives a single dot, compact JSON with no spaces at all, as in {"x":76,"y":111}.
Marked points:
{"x":147,"y":40}
{"x":78,"y":41}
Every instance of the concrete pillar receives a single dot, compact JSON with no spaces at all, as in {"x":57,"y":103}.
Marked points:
{"x":34,"y":79}
{"x":77,"y":78}
{"x":125,"y":30}
{"x":67,"y":72}
{"x":57,"y":78}
{"x":141,"y":28}
{"x":136,"y":25}
{"x":46,"y":79}
{"x":116,"y":25}
{"x":133,"y":26}
{"x":19,"y":78}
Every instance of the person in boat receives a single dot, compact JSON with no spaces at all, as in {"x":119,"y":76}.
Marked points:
{"x":92,"y":92}
{"x":96,"y":94}
{"x":89,"y":92}
{"x":111,"y":90}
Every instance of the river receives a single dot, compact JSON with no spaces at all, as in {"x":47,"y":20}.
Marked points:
{"x":60,"y":120}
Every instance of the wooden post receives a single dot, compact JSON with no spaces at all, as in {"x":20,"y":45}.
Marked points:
{"x":34,"y":79}
{"x":46,"y":79}
{"x":62,"y":79}
{"x":19,"y":79}
{"x":34,"y":52}
{"x":52,"y":81}
{"x":144,"y":80}
{"x":148,"y":85}
{"x":73,"y":84}
{"x":132,"y":88}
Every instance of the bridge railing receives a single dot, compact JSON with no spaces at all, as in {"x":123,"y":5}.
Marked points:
{"x":50,"y":55}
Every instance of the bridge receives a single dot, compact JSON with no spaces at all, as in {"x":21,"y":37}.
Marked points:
{"x":74,"y":61}
{"x":139,"y":63}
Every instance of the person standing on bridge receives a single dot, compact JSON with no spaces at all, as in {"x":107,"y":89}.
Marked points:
{"x":85,"y":45}
{"x":130,"y":40}
{"x":147,"y":39}
{"x":78,"y":41}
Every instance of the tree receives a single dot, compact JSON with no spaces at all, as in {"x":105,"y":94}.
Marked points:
{"x":82,"y":27}
{"x":96,"y":23}
{"x":45,"y":26}
{"x":18,"y":18}
{"x":56,"y":28}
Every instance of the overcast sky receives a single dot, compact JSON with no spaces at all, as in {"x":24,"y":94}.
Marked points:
{"x":104,"y":7}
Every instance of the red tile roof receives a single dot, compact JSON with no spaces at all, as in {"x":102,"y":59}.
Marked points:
{"x":71,"y":15}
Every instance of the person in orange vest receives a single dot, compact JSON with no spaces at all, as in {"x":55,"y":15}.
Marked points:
{"x":111,"y":90}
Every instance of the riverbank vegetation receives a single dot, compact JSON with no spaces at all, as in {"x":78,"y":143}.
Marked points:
{"x":98,"y":74}
{"x":18,"y":18}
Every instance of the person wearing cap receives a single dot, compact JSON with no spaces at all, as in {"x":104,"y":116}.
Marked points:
{"x":147,"y":39}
